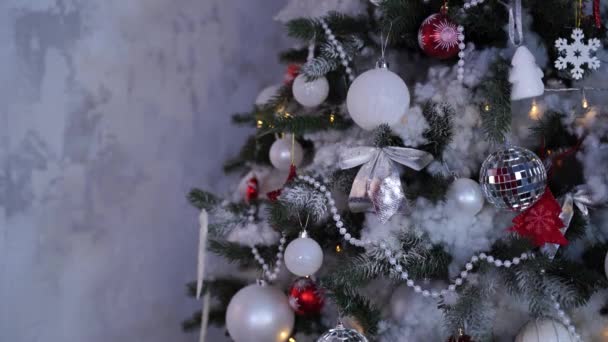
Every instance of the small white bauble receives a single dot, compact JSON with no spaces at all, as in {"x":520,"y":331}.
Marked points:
{"x":267,"y":94}
{"x":310,"y":93}
{"x":377,"y":96}
{"x":280,"y":153}
{"x":259,"y":313}
{"x":303,"y":256}
{"x":545,"y":330}
{"x":467,"y":195}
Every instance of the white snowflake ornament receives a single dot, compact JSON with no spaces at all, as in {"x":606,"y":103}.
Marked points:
{"x":577,"y":54}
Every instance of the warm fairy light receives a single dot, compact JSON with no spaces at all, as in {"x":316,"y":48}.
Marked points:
{"x":286,"y":115}
{"x":534,"y":112}
{"x":338,"y":249}
{"x":486,"y":107}
{"x":284,"y":334}
{"x":585,"y":103}
{"x":260,"y":123}
{"x":332,"y":118}
{"x":291,"y":339}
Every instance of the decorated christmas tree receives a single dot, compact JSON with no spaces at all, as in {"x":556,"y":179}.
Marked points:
{"x":413,"y":179}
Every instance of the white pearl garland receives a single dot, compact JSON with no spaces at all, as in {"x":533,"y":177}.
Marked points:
{"x":332,"y":40}
{"x":565,"y":319}
{"x":271,"y":275}
{"x":393,"y":260}
{"x":461,"y":54}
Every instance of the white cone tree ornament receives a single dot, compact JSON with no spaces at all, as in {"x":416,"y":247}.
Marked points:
{"x":525,"y":75}
{"x":284,"y":151}
{"x":303,"y":256}
{"x":259,"y":313}
{"x":377,"y":96}
{"x":310,"y":93}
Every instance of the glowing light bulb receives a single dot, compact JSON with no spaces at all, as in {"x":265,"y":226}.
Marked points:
{"x":260,"y":123}
{"x":585,"y":103}
{"x":338,"y":249}
{"x":534,"y":112}
{"x":332,"y":118}
{"x":487,"y":107}
{"x":291,"y":339}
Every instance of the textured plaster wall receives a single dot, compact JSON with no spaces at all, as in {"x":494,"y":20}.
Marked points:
{"x":109,"y":112}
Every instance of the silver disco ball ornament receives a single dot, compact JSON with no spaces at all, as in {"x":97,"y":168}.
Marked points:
{"x":342,"y":334}
{"x":513,"y":178}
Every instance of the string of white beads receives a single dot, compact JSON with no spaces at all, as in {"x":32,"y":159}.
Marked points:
{"x":563,"y":317}
{"x":271,"y":275}
{"x":461,"y":54}
{"x":393,"y":259}
{"x":332,"y":40}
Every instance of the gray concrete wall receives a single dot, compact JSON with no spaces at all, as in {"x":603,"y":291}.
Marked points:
{"x":110,"y":111}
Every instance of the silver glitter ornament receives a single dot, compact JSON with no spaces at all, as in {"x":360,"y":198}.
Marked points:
{"x":342,"y":334}
{"x":513,"y":178}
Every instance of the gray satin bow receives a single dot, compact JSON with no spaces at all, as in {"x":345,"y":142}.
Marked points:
{"x":377,"y":184}
{"x":581,"y":198}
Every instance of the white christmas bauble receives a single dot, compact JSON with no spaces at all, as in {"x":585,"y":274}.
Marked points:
{"x":259,"y":314}
{"x":310,"y":93}
{"x":545,"y":330}
{"x":267,"y":94}
{"x":303,"y":256}
{"x":467,"y":195}
{"x":377,"y":96}
{"x":280,"y":153}
{"x":525,"y":75}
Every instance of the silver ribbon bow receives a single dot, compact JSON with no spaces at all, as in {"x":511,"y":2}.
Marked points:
{"x":516,"y":34}
{"x":377,"y":185}
{"x":581,"y":198}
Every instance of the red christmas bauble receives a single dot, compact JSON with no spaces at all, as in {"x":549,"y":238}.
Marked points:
{"x":252,"y":189}
{"x":438,"y":36}
{"x":293,"y":70}
{"x":305,"y":298}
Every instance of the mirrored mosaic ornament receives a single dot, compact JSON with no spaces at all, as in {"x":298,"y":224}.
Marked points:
{"x":342,"y":334}
{"x":513,"y":178}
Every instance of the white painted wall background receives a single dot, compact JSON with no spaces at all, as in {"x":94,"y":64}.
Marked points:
{"x":110,"y":111}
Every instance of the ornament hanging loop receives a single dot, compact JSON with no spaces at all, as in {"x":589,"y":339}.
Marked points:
{"x":516,"y":34}
{"x":382,"y":63}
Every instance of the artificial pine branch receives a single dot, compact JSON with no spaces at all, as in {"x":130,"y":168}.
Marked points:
{"x":297,"y":56}
{"x":255,"y":150}
{"x":496,"y":105}
{"x":439,"y":116}
{"x":202,"y":199}
{"x":383,"y":137}
{"x":239,"y":254}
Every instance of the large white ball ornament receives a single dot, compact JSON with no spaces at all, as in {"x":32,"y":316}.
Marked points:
{"x":545,"y":330}
{"x":280,"y":153}
{"x":259,"y":313}
{"x":303,"y":256}
{"x":377,"y":96}
{"x":467,"y":195}
{"x":310,"y":93}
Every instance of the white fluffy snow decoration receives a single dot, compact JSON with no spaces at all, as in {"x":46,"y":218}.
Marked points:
{"x":525,"y":75}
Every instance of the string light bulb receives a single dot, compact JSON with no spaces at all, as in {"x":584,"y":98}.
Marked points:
{"x":332,"y":118}
{"x":338,"y":249}
{"x":486,"y":107}
{"x":291,"y":339}
{"x":260,"y":123}
{"x":584,"y":103}
{"x":534,"y":112}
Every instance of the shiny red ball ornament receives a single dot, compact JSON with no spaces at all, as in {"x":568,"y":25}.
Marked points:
{"x":293,"y":70}
{"x":305,"y":298}
{"x":251,"y":193}
{"x":438,"y":36}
